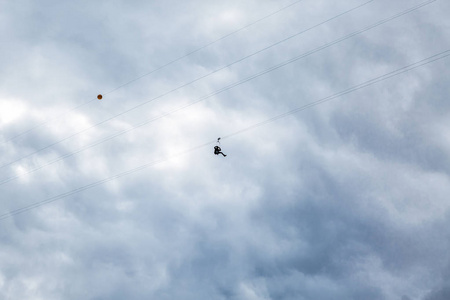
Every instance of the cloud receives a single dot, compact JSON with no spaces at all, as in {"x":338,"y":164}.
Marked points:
{"x":345,"y":200}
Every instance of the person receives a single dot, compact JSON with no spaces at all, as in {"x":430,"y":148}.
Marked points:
{"x":218,"y":151}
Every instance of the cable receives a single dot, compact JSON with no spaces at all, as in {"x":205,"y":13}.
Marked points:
{"x":202,"y":98}
{"x":6,"y":180}
{"x":394,"y":73}
{"x":405,"y":69}
{"x":153,"y":71}
{"x":46,"y":122}
{"x":203,"y":47}
{"x":195,"y":80}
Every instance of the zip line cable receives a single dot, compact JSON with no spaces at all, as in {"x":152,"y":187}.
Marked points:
{"x":155,"y":70}
{"x":402,"y":70}
{"x":46,"y":122}
{"x":6,"y":180}
{"x":394,"y":73}
{"x":188,"y":83}
{"x":203,"y":47}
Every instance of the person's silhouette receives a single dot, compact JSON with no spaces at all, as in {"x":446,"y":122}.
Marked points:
{"x":218,"y":151}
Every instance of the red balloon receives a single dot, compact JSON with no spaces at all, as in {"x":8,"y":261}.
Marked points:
{"x":99,"y":97}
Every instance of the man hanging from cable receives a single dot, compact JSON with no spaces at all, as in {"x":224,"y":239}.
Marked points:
{"x":217,"y":149}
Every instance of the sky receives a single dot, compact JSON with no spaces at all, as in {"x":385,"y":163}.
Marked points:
{"x":123,"y":198}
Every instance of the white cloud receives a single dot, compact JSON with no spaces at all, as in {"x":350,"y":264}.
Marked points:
{"x":347,"y":199}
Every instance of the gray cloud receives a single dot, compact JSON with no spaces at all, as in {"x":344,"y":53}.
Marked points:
{"x":345,"y":200}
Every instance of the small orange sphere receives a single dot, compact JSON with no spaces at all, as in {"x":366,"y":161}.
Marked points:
{"x":99,"y":97}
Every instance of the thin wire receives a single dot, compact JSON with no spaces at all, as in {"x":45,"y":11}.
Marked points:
{"x":394,"y":73}
{"x":46,"y":122}
{"x":205,"y":46}
{"x":6,"y":180}
{"x":153,"y":71}
{"x":405,"y":69}
{"x":195,"y":80}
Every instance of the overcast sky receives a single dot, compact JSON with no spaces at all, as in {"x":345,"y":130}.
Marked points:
{"x":348,"y":199}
